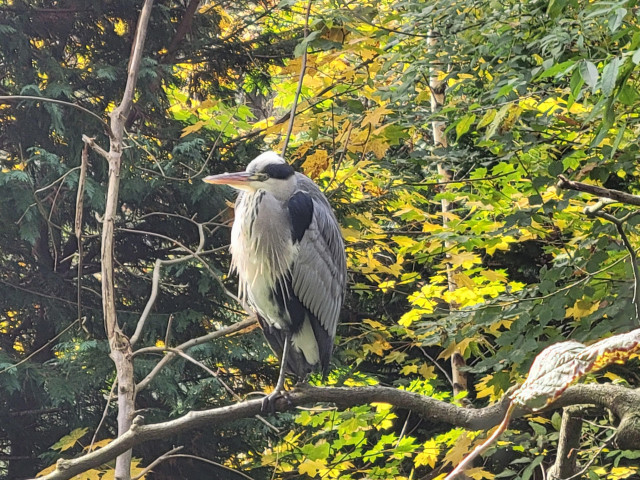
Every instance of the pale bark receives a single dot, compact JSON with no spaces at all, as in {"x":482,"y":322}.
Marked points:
{"x":623,"y":402}
{"x":438,"y":87}
{"x":120,"y":347}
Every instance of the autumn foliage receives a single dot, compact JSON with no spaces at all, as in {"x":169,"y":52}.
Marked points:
{"x":515,"y":264}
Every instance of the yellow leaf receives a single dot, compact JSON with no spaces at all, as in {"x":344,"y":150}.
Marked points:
{"x":99,"y":444}
{"x":614,"y":378}
{"x":494,"y":276}
{"x":484,"y":390}
{"x":460,"y":449}
{"x":462,"y":280}
{"x":273,"y":129}
{"x":374,"y":116}
{"x":618,"y":473}
{"x":423,"y":95}
{"x":379,"y":147}
{"x":193,"y":128}
{"x":403,"y":241}
{"x":109,"y":475}
{"x":427,"y":371}
{"x":316,"y":163}
{"x":464,"y":259}
{"x":429,"y":454}
{"x":457,"y":347}
{"x":409,"y":369}
{"x":378,"y":346}
{"x":430,"y":227}
{"x":582,"y":308}
{"x":385,"y":286}
{"x":94,"y":474}
{"x":311,"y":467}
{"x":375,"y":324}
{"x":46,"y":471}
{"x":395,"y":356}
{"x":478,"y":473}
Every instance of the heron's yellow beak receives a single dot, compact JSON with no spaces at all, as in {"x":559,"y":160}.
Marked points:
{"x":238,"y":179}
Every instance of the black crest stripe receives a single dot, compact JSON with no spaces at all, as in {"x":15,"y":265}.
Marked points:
{"x":280,"y":171}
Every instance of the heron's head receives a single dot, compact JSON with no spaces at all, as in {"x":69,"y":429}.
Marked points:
{"x":268,"y":171}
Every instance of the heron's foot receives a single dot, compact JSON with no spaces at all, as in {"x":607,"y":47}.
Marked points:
{"x":269,"y":402}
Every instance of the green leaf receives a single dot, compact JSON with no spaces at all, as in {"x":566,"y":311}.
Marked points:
{"x":558,"y":69}
{"x":609,"y":76}
{"x":589,"y":73}
{"x":464,"y":124}
{"x":615,"y":19}
{"x":68,"y":441}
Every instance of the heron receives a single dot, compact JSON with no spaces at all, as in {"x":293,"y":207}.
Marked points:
{"x":288,"y":253}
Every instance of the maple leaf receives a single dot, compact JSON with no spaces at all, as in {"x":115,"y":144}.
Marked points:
{"x":429,"y":454}
{"x":68,"y":441}
{"x":311,"y":467}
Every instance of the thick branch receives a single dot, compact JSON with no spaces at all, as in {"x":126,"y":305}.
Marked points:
{"x":618,"y":399}
{"x":623,"y":197}
{"x":120,"y":347}
{"x":568,"y":445}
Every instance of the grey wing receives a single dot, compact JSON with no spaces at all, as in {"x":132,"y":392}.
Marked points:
{"x":318,"y":274}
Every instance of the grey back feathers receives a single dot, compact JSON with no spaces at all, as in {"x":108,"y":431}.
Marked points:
{"x":289,"y":255}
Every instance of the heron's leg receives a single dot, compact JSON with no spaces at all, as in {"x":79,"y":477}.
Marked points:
{"x":268,"y":403}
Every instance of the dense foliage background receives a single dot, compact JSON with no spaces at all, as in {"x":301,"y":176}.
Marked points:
{"x":533,"y":90}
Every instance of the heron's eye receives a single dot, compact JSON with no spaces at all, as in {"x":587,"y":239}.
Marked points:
{"x":260,"y":177}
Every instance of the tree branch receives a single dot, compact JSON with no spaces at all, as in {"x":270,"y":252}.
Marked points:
{"x":223,"y":332}
{"x":623,"y":197}
{"x":303,"y":69}
{"x":155,"y":282}
{"x":568,"y":444}
{"x":119,"y":345}
{"x":620,"y":400}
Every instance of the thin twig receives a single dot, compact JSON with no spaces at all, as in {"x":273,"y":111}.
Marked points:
{"x":161,"y":458}
{"x":303,"y":69}
{"x":596,"y":211}
{"x":84,"y":159}
{"x":206,"y":460}
{"x":484,"y":445}
{"x":236,"y":327}
{"x":593,"y":457}
{"x":97,"y":148}
{"x":35,"y":352}
{"x":104,"y":414}
{"x":191,"y":252}
{"x":59,"y":179}
{"x":229,"y":390}
{"x":60,"y":102}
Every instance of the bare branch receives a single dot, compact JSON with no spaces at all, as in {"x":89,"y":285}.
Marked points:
{"x":223,"y":332}
{"x":618,"y":399}
{"x":468,"y":460}
{"x":120,"y":347}
{"x":568,"y":444}
{"x":596,"y":211}
{"x":60,"y":102}
{"x":35,"y":352}
{"x":104,"y":414}
{"x":84,"y":160}
{"x":303,"y":69}
{"x":206,"y":460}
{"x":617,"y":195}
{"x":161,"y":458}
